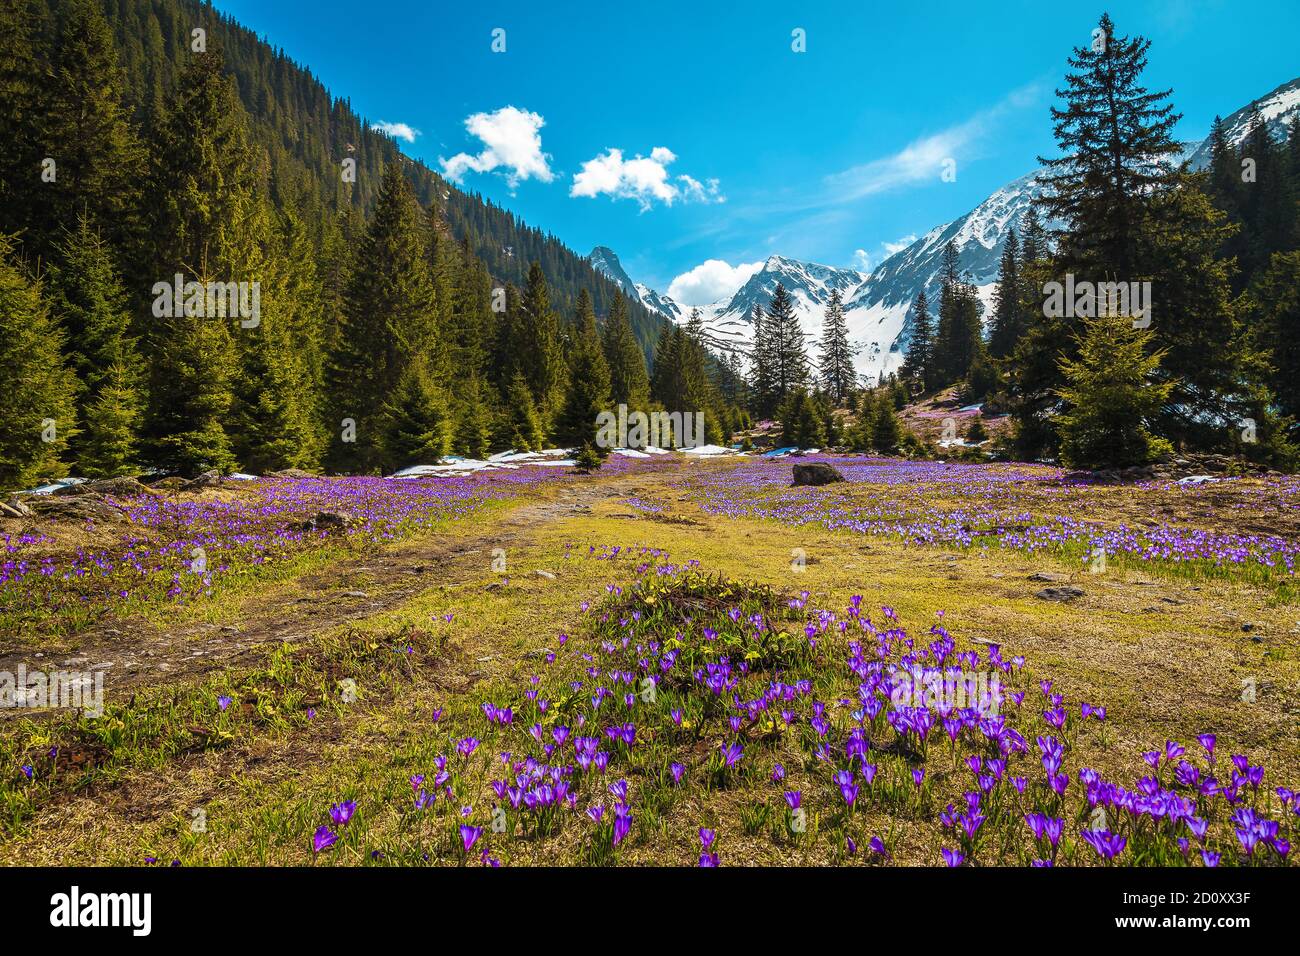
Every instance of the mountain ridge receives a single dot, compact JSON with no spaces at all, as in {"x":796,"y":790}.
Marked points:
{"x":878,"y":308}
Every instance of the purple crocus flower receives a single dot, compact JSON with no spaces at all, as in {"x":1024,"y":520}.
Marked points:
{"x":323,"y":839}
{"x":952,"y":857}
{"x":223,"y":702}
{"x":1108,"y":845}
{"x":341,"y":813}
{"x":622,"y":822}
{"x":469,"y":835}
{"x":731,"y":754}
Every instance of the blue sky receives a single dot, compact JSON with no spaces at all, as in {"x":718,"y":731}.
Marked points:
{"x":682,"y":132}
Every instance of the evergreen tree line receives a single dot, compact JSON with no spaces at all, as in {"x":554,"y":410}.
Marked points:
{"x":1212,"y":365}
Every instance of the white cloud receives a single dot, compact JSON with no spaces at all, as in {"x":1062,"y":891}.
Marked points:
{"x":643,"y":178}
{"x":899,"y":245}
{"x":512,"y":143}
{"x":925,"y":158}
{"x":710,"y":281}
{"x":397,"y":130}
{"x":862,"y":259}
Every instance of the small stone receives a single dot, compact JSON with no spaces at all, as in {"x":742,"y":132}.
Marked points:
{"x":1063,"y":594}
{"x":545,"y":574}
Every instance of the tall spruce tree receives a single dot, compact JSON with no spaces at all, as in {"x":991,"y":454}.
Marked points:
{"x":23,"y":89}
{"x":958,"y":340}
{"x":836,"y":365}
{"x":87,"y":298}
{"x":1117,"y":141}
{"x":629,"y":383}
{"x":38,"y":388}
{"x":208,"y":226}
{"x":389,"y":320}
{"x":537,"y":343}
{"x":1008,"y":317}
{"x":87,"y":133}
{"x":763,"y":364}
{"x":789,"y":355}
{"x":918,"y":364}
{"x":589,"y":382}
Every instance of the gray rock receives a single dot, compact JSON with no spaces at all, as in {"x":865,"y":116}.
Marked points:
{"x":1064,"y":594}
{"x":209,"y":479}
{"x":83,"y":508}
{"x":816,"y":473}
{"x":114,"y":487}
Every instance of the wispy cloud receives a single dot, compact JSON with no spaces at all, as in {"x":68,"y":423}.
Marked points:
{"x":898,"y":245}
{"x":397,"y":130}
{"x":512,"y":145}
{"x":643,"y":178}
{"x":926,"y":158}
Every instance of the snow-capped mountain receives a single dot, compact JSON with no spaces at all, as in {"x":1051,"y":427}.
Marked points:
{"x":662,"y":304}
{"x":605,"y":260}
{"x":1277,"y":108}
{"x":728,"y":323}
{"x":878,"y":306}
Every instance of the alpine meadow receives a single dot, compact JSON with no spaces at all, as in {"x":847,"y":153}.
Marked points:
{"x":927,"y":501}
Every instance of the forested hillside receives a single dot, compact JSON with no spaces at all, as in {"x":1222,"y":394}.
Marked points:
{"x":397,"y":318}
{"x":307,"y":130}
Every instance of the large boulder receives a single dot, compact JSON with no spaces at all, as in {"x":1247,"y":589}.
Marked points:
{"x":816,"y":473}
{"x":209,"y":479}
{"x":82,"y":508}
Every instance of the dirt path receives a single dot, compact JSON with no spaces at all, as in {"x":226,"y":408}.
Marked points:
{"x":134,"y":654}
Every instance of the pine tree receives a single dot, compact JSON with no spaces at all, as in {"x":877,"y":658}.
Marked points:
{"x":958,"y":339}
{"x":37,"y":386}
{"x":886,"y":431}
{"x":521,"y":425}
{"x":801,"y":425}
{"x":87,"y":298}
{"x":1268,"y":203}
{"x":837,"y":353}
{"x":1117,"y":141}
{"x":919,"y":362}
{"x":790,"y":360}
{"x":763,"y":364}
{"x":666,"y":377}
{"x":589,"y":382}
{"x":208,"y":220}
{"x":629,"y":382}
{"x":107,"y":446}
{"x":1113,"y":397}
{"x":23,"y":89}
{"x":416,"y":426}
{"x":474,"y":424}
{"x":1008,"y":320}
{"x":278,"y":406}
{"x":389,"y":319}
{"x":537,"y":339}
{"x":86,"y":131}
